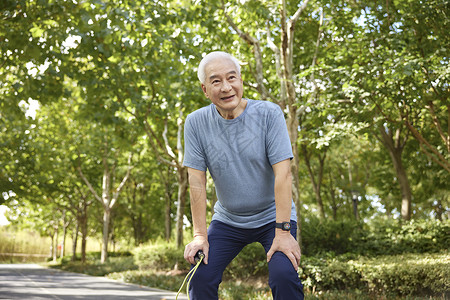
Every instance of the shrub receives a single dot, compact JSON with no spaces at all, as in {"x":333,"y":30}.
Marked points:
{"x":163,"y":256}
{"x":159,"y":256}
{"x":95,"y":268}
{"x":408,"y":274}
{"x":251,"y":261}
{"x":416,"y":236}
{"x":380,"y":237}
{"x":330,"y":236}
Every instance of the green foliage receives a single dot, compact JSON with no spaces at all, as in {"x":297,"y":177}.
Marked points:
{"x":100,"y":69}
{"x":253,"y":257}
{"x":324,"y":236}
{"x":407,"y":274}
{"x":165,"y":256}
{"x":347,"y":276}
{"x":244,"y":290}
{"x":419,"y":236}
{"x":376,"y":238}
{"x":328,"y":273}
{"x":150,"y":278}
{"x":159,"y":256}
{"x":117,"y":262}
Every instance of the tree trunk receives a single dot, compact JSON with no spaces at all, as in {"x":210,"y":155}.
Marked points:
{"x":213,"y":200}
{"x":167,"y":204}
{"x":167,"y":218}
{"x":75,"y":241}
{"x":395,"y":146}
{"x":353,"y":192}
{"x":84,"y":230}
{"x":109,"y":196}
{"x":55,"y":248}
{"x":404,"y":184}
{"x":106,"y":220}
{"x":439,"y":209}
{"x":292,"y":125}
{"x":316,"y":184}
{"x":332,"y":196}
{"x":52,"y":245}
{"x":65,"y":225}
{"x":182,"y":191}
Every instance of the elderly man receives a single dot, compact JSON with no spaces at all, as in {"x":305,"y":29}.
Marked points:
{"x":246,"y":148}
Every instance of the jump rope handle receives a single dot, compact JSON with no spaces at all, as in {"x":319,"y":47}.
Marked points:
{"x":198,"y":260}
{"x":199,"y":256}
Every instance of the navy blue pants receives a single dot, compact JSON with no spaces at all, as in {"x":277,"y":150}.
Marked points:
{"x":225,"y":243}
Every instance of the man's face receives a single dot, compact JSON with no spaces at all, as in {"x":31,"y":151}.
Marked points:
{"x":223,"y":86}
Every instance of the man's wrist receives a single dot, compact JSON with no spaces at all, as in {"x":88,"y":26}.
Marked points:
{"x":200,"y":235}
{"x":285,"y":226}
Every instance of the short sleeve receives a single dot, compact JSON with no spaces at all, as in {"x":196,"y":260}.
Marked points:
{"x":278,"y":143}
{"x":194,"y":156}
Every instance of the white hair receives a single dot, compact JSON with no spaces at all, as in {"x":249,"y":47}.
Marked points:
{"x":211,"y":56}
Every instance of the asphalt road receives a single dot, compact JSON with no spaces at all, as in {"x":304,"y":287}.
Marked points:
{"x":31,"y":281}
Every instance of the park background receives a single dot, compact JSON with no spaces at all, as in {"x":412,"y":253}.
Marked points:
{"x":94,"y":95}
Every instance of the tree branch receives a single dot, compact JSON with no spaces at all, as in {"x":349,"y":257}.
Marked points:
{"x":180,"y":122}
{"x":441,"y":159}
{"x":436,"y":123}
{"x":259,"y":75}
{"x":89,"y":185}
{"x":297,"y":14}
{"x":316,"y":51}
{"x":433,"y":158}
{"x":152,"y":137}
{"x":169,"y":150}
{"x":122,"y":183}
{"x":278,"y":67}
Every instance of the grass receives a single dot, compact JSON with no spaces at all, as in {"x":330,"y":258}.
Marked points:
{"x":23,"y":242}
{"x":12,"y":241}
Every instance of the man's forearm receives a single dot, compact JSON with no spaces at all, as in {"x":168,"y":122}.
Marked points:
{"x":197,"y":183}
{"x":283,"y":191}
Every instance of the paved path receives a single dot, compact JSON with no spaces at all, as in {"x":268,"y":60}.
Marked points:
{"x":31,"y":281}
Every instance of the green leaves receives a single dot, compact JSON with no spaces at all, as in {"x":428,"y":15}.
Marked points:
{"x":36,"y":32}
{"x":101,"y":68}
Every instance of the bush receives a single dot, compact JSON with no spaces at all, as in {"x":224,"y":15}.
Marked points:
{"x":150,"y":278}
{"x":159,"y":256}
{"x":163,"y":256}
{"x":380,"y":237}
{"x":330,"y":236}
{"x":251,"y":261}
{"x":408,"y":274}
{"x":95,"y":268}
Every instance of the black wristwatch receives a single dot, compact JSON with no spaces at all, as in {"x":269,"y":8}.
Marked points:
{"x":285,"y":226}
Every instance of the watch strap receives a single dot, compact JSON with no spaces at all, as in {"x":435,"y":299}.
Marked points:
{"x":285,"y":226}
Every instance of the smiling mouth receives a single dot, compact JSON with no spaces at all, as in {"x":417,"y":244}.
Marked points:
{"x":227,"y":98}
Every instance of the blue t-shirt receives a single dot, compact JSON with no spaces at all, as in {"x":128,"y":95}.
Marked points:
{"x":239,"y":155}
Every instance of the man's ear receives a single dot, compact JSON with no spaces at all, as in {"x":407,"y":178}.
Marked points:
{"x":204,"y":90}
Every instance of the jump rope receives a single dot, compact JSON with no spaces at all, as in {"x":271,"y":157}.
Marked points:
{"x":198,"y":260}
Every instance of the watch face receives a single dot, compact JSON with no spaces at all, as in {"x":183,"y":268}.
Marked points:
{"x":286,"y":226}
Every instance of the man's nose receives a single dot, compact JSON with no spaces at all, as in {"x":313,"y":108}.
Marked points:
{"x":226,"y":86}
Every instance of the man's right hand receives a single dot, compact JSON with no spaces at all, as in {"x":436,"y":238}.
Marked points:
{"x":198,"y":243}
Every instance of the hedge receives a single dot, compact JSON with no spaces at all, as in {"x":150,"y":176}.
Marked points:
{"x":380,"y":237}
{"x":407,"y":274}
{"x":159,"y":256}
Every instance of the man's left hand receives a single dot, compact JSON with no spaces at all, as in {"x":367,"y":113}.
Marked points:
{"x":286,"y":243}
